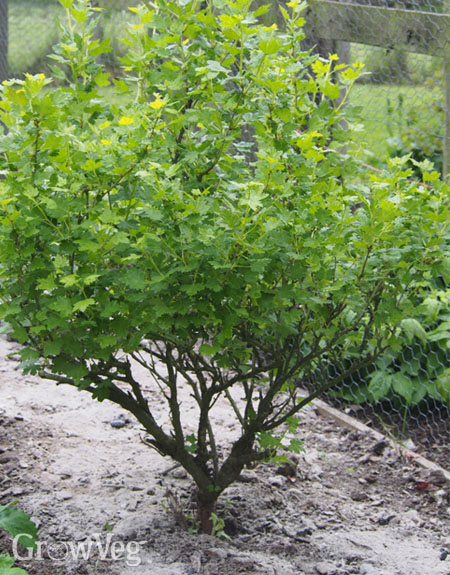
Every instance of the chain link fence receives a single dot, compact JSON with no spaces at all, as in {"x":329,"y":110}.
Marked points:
{"x":405,"y":101}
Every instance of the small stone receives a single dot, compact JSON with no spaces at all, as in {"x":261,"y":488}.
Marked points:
{"x":315,"y":471}
{"x":65,"y":475}
{"x":325,"y":568}
{"x":371,"y":478}
{"x":367,"y":568}
{"x":359,"y":495}
{"x":179,"y":473}
{"x":410,"y":445}
{"x":17,"y":491}
{"x":440,"y":497}
{"x":437,"y":477}
{"x":133,"y":505}
{"x":276,"y":481}
{"x":379,"y":447}
{"x":150,"y":491}
{"x":411,"y":518}
{"x":217,"y":553}
{"x":365,"y":458}
{"x":444,"y":554}
{"x":64,"y":495}
{"x":248,"y":477}
{"x":385,"y":519}
{"x":118,"y":423}
{"x":287,"y":470}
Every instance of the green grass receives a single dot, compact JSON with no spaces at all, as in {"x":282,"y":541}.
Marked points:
{"x":380,"y":124}
{"x":33,"y":30}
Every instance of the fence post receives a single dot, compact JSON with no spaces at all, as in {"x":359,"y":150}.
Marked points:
{"x":3,"y":40}
{"x":446,"y":151}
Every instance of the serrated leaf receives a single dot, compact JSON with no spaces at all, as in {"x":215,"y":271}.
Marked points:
{"x":414,"y":328}
{"x":380,"y":384}
{"x":403,"y":386}
{"x":102,"y":79}
{"x":296,"y":446}
{"x":83,"y":304}
{"x":7,"y":568}
{"x":331,"y":90}
{"x":47,"y":284}
{"x":18,"y":523}
{"x":209,"y":350}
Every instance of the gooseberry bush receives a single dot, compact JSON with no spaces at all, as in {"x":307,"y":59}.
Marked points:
{"x":192,"y":218}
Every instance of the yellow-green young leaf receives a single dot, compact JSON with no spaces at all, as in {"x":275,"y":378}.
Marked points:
{"x":7,"y":566}
{"x":69,"y":280}
{"x":66,"y":3}
{"x":349,"y":74}
{"x":320,"y":68}
{"x":157,"y":104}
{"x":262,"y":10}
{"x":330,"y":90}
{"x":102,"y":79}
{"x":79,"y":15}
{"x":47,"y":284}
{"x":270,"y":46}
{"x":88,"y":280}
{"x":431,"y":176}
{"x":83,"y":304}
{"x":91,"y":165}
{"x":229,"y":21}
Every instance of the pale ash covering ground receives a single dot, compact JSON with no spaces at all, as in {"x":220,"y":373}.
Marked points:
{"x":84,"y":474}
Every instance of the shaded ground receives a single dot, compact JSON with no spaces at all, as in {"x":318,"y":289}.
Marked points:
{"x":350,"y":505}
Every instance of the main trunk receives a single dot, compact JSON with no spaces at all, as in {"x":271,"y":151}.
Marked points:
{"x":206,"y":505}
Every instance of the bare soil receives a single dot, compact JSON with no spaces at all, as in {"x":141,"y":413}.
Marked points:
{"x":350,"y":505}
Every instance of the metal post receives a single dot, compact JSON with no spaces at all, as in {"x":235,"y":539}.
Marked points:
{"x":446,"y":150}
{"x":3,"y":40}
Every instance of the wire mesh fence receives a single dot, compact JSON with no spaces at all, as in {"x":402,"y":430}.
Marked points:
{"x":404,"y":100}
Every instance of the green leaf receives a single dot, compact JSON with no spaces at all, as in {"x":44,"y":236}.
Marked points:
{"x":6,"y":566}
{"x":47,"y":284}
{"x":18,"y":523}
{"x":296,"y":446}
{"x":380,"y":384}
{"x":102,"y":79}
{"x":83,"y":304}
{"x":403,"y":385}
{"x":331,"y":90}
{"x":270,"y":46}
{"x":414,"y":328}
{"x":268,"y":440}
